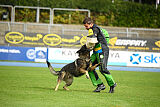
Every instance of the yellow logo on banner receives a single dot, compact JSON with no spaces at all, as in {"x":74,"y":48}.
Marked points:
{"x":52,"y":39}
{"x":14,"y":37}
{"x":157,"y":43}
{"x":112,"y":41}
{"x":34,"y":38}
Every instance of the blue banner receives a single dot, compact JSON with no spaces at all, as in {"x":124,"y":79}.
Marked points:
{"x":37,"y":54}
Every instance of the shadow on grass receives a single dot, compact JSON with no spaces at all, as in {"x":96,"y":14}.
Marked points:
{"x":41,"y":88}
{"x":62,"y":90}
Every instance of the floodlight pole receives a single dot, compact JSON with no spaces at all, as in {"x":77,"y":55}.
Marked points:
{"x":157,"y":3}
{"x":37,"y":19}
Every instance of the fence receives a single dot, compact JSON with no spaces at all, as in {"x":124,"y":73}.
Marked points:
{"x":10,"y":10}
{"x":73,"y":30}
{"x":35,"y":26}
{"x":69,"y":33}
{"x":37,"y":15}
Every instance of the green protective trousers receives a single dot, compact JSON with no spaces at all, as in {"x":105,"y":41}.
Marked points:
{"x":95,"y":59}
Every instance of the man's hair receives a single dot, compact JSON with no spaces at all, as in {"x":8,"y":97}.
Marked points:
{"x":87,"y":20}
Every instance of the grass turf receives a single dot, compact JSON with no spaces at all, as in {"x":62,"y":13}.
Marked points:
{"x":33,"y":86}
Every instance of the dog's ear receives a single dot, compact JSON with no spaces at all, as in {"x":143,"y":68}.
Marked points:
{"x":83,"y":49}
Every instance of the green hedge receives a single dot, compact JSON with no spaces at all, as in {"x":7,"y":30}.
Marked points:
{"x":104,"y":12}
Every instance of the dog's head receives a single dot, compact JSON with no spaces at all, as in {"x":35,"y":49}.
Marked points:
{"x":84,"y":53}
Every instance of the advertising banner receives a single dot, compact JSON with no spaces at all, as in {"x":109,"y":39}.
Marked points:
{"x":118,"y":58}
{"x":68,"y":41}
{"x":62,"y":55}
{"x":40,"y":54}
{"x":132,"y":44}
{"x":40,"y":39}
{"x":66,"y":55}
{"x":16,"y":53}
{"x":135,"y":59}
{"x":143,"y":59}
{"x":37,"y":54}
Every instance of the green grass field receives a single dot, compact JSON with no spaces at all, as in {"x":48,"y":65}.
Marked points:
{"x":33,"y":87}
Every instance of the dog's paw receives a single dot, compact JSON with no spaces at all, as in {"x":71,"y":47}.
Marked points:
{"x":55,"y":89}
{"x":87,"y":76}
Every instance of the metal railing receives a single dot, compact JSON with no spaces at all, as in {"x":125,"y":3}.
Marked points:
{"x":38,"y":9}
{"x":61,"y":29}
{"x":30,"y":27}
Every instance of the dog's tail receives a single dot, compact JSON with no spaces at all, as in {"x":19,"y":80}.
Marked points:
{"x":51,"y":69}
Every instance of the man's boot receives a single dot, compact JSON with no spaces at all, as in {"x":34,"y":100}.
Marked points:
{"x":99,"y":87}
{"x":112,"y":88}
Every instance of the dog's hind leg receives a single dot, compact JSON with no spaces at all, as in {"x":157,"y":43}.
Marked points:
{"x":60,"y":78}
{"x":68,"y":82}
{"x":58,"y":82}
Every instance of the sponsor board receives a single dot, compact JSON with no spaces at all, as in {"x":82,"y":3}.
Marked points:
{"x":67,"y":55}
{"x":16,"y":53}
{"x":41,"y":39}
{"x":37,"y":54}
{"x":67,"y":41}
{"x":141,"y":44}
{"x":62,"y":55}
{"x":117,"y":58}
{"x":40,"y":54}
{"x":144,"y":59}
{"x":136,"y":59}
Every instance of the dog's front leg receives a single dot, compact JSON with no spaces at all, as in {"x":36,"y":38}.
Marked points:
{"x":94,"y":67}
{"x":85,"y":72}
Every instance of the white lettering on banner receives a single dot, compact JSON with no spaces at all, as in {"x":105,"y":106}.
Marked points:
{"x":14,"y":51}
{"x":131,"y":42}
{"x":4,"y":50}
{"x":62,"y":54}
{"x":68,"y":53}
{"x":10,"y":51}
{"x":117,"y":56}
{"x":114,"y":55}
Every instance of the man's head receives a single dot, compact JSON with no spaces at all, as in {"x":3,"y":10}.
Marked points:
{"x":88,"y":23}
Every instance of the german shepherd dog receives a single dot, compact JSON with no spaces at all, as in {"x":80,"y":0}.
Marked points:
{"x":77,"y":68}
